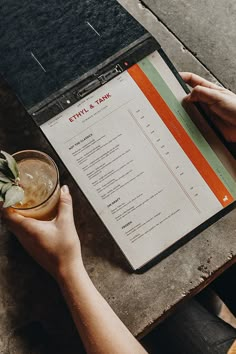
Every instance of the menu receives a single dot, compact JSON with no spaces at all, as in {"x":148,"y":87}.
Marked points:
{"x":141,"y":161}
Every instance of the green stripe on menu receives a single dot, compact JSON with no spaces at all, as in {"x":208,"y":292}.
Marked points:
{"x":183,"y":117}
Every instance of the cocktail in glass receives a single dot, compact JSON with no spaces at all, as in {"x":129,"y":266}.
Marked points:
{"x":39,"y":177}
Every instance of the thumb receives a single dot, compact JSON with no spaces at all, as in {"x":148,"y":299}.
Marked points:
{"x":204,"y":95}
{"x":65,"y":208}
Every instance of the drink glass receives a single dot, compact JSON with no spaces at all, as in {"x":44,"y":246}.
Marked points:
{"x":39,"y":177}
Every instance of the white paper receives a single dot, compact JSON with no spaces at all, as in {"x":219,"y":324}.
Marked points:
{"x":134,"y":173}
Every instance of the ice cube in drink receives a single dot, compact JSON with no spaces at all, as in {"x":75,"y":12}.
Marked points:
{"x":39,"y":179}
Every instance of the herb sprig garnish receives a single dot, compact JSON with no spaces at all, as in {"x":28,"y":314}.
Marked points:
{"x":11,"y":192}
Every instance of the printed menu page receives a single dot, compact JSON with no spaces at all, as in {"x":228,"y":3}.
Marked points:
{"x":128,"y":147}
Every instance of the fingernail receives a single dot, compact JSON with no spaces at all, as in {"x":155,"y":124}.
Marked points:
{"x":65,"y":189}
{"x":187,"y":98}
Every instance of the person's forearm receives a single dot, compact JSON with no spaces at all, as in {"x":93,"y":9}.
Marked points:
{"x":99,"y":327}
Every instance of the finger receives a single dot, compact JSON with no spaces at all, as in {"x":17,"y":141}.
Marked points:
{"x":204,"y":95}
{"x":13,"y":220}
{"x":11,"y":216}
{"x":194,"y":80}
{"x":65,"y":208}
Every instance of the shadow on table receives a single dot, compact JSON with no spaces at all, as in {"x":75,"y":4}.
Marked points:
{"x":34,"y":317}
{"x":33,"y":339}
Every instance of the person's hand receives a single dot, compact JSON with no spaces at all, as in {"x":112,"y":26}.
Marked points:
{"x":55,"y":244}
{"x":220,"y":103}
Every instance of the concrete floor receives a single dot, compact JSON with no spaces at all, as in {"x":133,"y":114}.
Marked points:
{"x":207,"y":29}
{"x":198,"y":36}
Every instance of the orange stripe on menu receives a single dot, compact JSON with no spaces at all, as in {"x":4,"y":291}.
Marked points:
{"x":188,"y":146}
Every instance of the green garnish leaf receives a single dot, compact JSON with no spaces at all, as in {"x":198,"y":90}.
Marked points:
{"x":3,"y":164}
{"x":13,"y":196}
{"x":1,"y":195}
{"x":5,"y":170}
{"x":4,"y":179}
{"x":12,"y":165}
{"x":5,"y":188}
{"x":10,"y":192}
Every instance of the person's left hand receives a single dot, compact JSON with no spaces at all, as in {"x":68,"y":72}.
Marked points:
{"x":55,"y":244}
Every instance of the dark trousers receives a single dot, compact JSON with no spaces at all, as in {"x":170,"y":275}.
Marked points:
{"x":225,"y":287}
{"x":193,"y":329}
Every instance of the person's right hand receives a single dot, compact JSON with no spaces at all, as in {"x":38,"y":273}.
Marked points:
{"x":55,"y":244}
{"x":221,"y":103}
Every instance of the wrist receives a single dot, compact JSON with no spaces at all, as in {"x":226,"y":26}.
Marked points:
{"x":66,"y":271}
